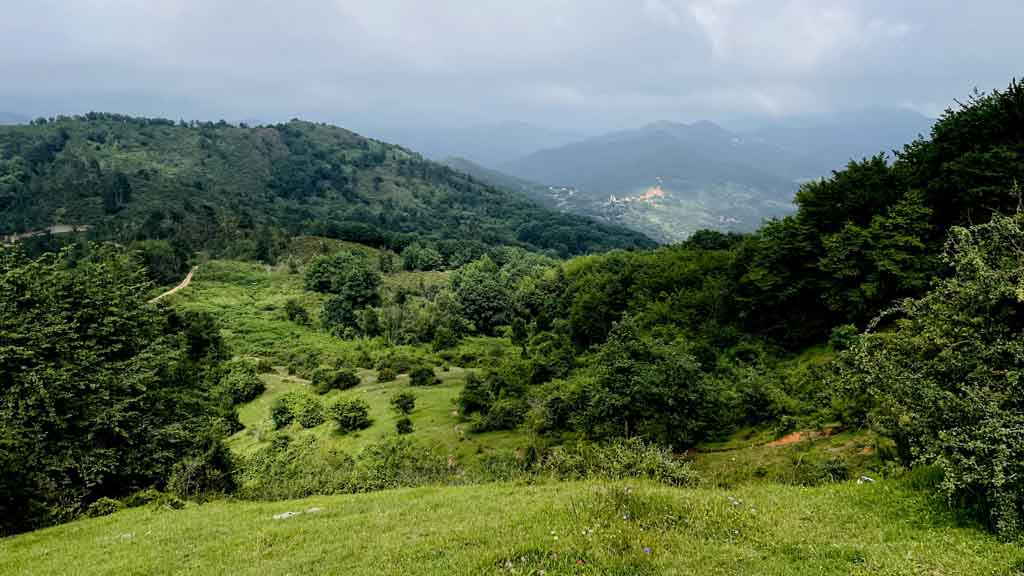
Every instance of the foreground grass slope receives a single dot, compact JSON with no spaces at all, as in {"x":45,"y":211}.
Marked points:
{"x":556,"y":528}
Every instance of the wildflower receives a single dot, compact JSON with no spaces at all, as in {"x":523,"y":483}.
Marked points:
{"x":647,"y":549}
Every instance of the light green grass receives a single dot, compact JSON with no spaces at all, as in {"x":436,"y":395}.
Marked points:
{"x":436,"y":422}
{"x":556,"y":528}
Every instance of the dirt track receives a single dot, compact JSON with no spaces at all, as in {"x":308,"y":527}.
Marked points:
{"x":183,"y":284}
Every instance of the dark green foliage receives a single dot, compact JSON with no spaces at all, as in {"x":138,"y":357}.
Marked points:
{"x":642,"y":386}
{"x":419,"y":257}
{"x":306,"y":410}
{"x":403,"y":425}
{"x":423,"y":376}
{"x":281,"y":413}
{"x":386,"y":374}
{"x":296,"y":312}
{"x":232,"y":190}
{"x":103,"y":507}
{"x":243,"y":383}
{"x":309,"y":411}
{"x":350,"y":415}
{"x":482,"y":295}
{"x":165,"y":264}
{"x":101,"y":394}
{"x":326,"y":379}
{"x":944,"y":382}
{"x":475,"y":396}
{"x":404,"y":402}
{"x":498,"y":398}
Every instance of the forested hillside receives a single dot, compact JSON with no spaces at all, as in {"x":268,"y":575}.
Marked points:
{"x":238,"y":190}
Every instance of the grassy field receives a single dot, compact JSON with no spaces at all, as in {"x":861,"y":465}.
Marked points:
{"x":436,"y":423}
{"x":551,"y":528}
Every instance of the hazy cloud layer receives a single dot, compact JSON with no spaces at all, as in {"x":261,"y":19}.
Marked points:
{"x":573,"y":64}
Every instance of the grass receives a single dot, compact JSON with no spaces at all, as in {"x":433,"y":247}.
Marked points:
{"x":550,"y":528}
{"x":818,"y":457}
{"x":436,"y":423}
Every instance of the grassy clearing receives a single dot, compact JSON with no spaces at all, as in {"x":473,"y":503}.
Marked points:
{"x":557,"y":528}
{"x":815,"y":458}
{"x":436,"y":423}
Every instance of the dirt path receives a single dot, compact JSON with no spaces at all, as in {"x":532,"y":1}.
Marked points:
{"x":183,"y":284}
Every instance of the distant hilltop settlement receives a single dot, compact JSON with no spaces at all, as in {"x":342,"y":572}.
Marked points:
{"x":651,"y":194}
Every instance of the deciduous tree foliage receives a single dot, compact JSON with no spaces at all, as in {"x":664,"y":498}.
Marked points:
{"x":945,"y":382}
{"x":100,"y":393}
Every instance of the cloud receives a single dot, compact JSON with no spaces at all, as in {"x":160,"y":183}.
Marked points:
{"x":580,"y":64}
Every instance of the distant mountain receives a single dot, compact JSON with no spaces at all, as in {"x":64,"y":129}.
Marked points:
{"x":535,"y":191}
{"x":236,"y":190}
{"x":9,"y":118}
{"x":669,"y":180}
{"x":834,"y":140}
{"x":488,"y":145}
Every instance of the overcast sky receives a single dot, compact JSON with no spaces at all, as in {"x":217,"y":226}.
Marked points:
{"x":571,"y":64}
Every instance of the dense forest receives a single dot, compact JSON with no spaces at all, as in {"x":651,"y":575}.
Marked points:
{"x":238,"y":190}
{"x":902,"y":280}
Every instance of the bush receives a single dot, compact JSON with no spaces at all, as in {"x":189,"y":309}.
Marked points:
{"x":403,"y":425}
{"x":296,"y":312}
{"x":843,"y":337}
{"x":404,"y":402}
{"x":944,"y":382}
{"x":423,"y":376}
{"x":475,"y":396}
{"x":386,"y":374}
{"x":504,"y":414}
{"x":243,"y":384}
{"x":309,"y":412}
{"x":622,"y":459}
{"x":326,"y":379}
{"x":209,"y":472}
{"x":281,"y":412}
{"x":351,"y":415}
{"x":103,"y":507}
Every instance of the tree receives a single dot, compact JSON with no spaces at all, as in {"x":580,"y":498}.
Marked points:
{"x":350,"y":415}
{"x":945,"y":380}
{"x":481,"y":294}
{"x":404,"y":402}
{"x":101,"y":393}
{"x":643,"y":387}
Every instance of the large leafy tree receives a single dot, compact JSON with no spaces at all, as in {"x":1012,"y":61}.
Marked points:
{"x":101,"y":393}
{"x":946,"y":383}
{"x":641,"y":386}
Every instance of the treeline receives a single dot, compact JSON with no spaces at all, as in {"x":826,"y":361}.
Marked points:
{"x":237,"y":191}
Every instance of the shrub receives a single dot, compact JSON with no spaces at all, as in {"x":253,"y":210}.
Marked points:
{"x":386,"y":374}
{"x":326,"y":379}
{"x":504,"y":414}
{"x":843,"y":337}
{"x":103,"y":507}
{"x":309,"y":412}
{"x":142,"y":497}
{"x":403,"y":425}
{"x":944,"y":382}
{"x":296,"y":312}
{"x":243,"y":384}
{"x":281,"y":412}
{"x":633,"y":458}
{"x":475,"y":396}
{"x":205,"y":473}
{"x":404,"y":402}
{"x":397,"y":462}
{"x":423,"y":376}
{"x":351,"y":415}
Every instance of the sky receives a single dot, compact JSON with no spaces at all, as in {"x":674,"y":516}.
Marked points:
{"x":578,"y":65}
